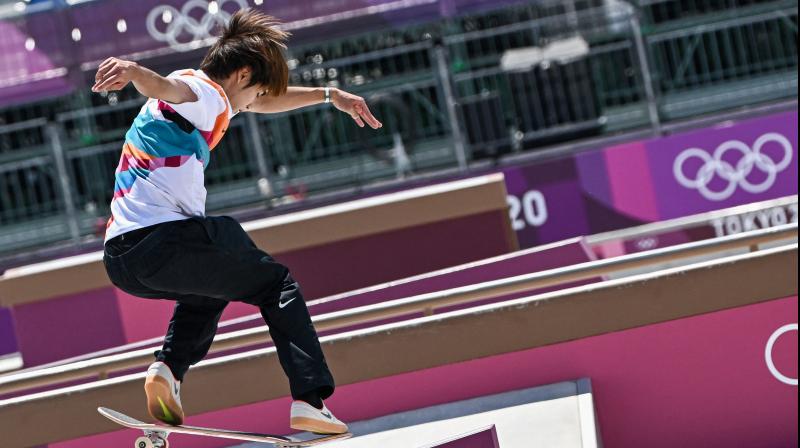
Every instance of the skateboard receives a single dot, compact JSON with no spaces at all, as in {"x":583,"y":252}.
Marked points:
{"x":155,"y":435}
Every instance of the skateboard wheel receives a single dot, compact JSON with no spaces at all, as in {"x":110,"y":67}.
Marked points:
{"x":147,"y":442}
{"x":143,"y":442}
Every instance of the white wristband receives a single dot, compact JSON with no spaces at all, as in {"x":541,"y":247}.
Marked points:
{"x":327,"y":95}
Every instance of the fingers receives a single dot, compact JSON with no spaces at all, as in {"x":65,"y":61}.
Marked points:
{"x":104,"y":68}
{"x":107,"y":83}
{"x":358,"y":120}
{"x":357,"y":108}
{"x":111,"y":75}
{"x":363,"y":111}
{"x":105,"y":75}
{"x":103,"y":84}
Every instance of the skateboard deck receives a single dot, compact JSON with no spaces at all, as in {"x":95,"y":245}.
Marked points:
{"x":155,"y":435}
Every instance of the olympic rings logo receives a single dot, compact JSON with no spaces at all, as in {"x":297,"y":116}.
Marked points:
{"x":182,"y":24}
{"x":738,"y":175}
{"x":768,"y":354}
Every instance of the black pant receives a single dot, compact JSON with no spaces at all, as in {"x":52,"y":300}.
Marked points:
{"x":202,"y":264}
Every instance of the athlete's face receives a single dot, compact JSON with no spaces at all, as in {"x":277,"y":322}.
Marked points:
{"x":242,"y":96}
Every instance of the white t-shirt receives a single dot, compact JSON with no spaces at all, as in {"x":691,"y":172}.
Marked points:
{"x":160,"y":176}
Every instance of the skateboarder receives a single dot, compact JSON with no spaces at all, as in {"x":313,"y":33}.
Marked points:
{"x":159,"y":243}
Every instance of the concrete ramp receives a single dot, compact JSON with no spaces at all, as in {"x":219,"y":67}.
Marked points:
{"x":560,"y":415}
{"x":554,"y":424}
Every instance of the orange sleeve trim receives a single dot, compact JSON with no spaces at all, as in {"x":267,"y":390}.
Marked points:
{"x":222,"y":121}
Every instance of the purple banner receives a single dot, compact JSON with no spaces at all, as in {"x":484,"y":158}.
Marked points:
{"x":722,"y":166}
{"x":542,"y":199}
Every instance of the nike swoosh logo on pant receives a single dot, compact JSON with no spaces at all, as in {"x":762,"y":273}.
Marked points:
{"x":282,"y":305}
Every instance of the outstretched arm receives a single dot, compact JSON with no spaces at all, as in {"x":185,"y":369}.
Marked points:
{"x":294,"y":98}
{"x":297,"y":97}
{"x":114,"y":74}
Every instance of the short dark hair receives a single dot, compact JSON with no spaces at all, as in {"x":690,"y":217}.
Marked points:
{"x":251,"y":39}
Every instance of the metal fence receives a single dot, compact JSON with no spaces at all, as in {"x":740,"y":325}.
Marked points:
{"x":448,"y":93}
{"x":729,"y":59}
{"x":660,"y":12}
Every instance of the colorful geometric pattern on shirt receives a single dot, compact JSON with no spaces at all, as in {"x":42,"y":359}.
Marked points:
{"x":155,"y":137}
{"x":223,"y":120}
{"x":163,"y":140}
{"x":131,"y":169}
{"x":172,"y":115}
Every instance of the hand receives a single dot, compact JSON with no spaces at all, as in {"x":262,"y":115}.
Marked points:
{"x":356,"y":107}
{"x":114,"y":74}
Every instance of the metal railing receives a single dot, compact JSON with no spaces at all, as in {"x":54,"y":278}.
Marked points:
{"x":445,"y":99}
{"x":428,"y":303}
{"x":734,"y":49}
{"x":669,"y":12}
{"x":715,"y":219}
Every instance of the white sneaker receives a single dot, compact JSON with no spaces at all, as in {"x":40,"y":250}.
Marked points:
{"x":163,"y":394}
{"x":305,"y":417}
